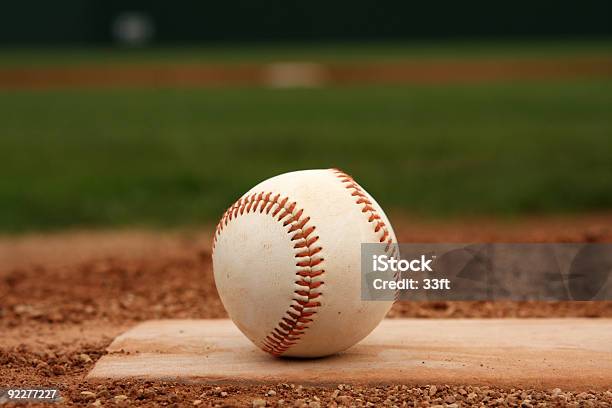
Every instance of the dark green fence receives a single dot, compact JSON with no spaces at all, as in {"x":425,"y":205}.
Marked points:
{"x":89,"y":21}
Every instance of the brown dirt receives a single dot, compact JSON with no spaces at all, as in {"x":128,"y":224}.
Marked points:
{"x":297,"y":74}
{"x":63,"y":297}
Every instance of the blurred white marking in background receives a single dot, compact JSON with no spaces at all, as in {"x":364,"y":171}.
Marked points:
{"x":133,"y":29}
{"x":294,"y":75}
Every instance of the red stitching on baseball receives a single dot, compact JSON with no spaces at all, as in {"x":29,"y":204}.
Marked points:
{"x":366,"y":206}
{"x":357,"y":191}
{"x":307,"y":278}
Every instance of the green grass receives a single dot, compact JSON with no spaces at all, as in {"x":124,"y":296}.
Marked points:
{"x":334,"y":52}
{"x":174,"y":157}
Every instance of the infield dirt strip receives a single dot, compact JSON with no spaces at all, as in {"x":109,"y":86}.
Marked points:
{"x":439,"y":71}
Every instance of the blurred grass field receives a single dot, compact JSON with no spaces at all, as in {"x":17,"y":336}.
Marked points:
{"x":324,"y":53}
{"x":167,"y":157}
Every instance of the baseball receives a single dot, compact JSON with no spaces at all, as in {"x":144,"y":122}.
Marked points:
{"x":287,"y":264}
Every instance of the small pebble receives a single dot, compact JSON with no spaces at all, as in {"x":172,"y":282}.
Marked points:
{"x":88,"y":395}
{"x":258,"y":402}
{"x":84,"y":358}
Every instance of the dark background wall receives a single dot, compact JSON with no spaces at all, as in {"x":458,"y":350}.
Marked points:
{"x":89,"y":21}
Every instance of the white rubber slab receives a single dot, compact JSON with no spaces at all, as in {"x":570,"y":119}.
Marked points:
{"x":541,"y":353}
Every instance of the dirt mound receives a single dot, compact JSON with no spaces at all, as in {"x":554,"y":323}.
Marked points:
{"x":65,"y":296}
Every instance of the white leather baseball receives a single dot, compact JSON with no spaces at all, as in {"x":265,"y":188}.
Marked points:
{"x":287,"y":264}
